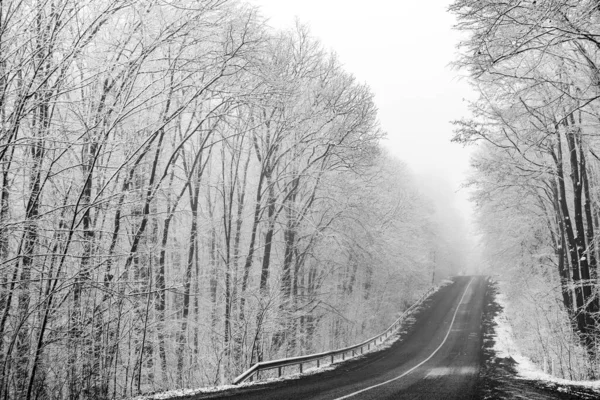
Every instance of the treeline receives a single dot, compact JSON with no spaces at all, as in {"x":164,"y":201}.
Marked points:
{"x":185,"y":192}
{"x":536,"y":67}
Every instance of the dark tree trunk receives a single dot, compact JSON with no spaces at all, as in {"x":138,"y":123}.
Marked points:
{"x":563,"y":273}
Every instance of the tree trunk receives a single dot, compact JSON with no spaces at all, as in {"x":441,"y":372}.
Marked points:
{"x":580,"y":241}
{"x":563,"y":273}
{"x":181,"y":337}
{"x":572,"y":245}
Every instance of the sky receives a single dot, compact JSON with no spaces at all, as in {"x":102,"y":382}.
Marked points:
{"x":402,"y":50}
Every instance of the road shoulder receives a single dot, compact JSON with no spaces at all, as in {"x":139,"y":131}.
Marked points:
{"x":498,"y":377}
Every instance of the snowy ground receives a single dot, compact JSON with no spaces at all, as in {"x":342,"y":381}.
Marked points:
{"x":173,"y":394}
{"x":505,"y":347}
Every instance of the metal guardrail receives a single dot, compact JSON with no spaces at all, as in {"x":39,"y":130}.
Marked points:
{"x":286,"y":362}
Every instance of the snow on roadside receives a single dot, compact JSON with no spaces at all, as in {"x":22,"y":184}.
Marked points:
{"x":505,"y":347}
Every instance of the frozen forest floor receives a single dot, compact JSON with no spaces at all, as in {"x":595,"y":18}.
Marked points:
{"x":500,"y":376}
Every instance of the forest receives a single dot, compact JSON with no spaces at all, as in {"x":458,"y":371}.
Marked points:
{"x":535,"y":66}
{"x":186,"y":191}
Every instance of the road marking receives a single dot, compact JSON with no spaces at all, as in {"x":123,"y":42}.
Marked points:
{"x":422,"y":362}
{"x":443,"y":371}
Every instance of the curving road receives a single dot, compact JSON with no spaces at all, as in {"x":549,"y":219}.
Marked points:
{"x":439,"y":358}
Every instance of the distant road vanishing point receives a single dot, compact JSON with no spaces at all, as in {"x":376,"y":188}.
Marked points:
{"x":439,"y":358}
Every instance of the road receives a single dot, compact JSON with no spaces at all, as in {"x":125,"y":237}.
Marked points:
{"x":438,"y":358}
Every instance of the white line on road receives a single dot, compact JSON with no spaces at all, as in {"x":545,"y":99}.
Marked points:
{"x":422,"y":362}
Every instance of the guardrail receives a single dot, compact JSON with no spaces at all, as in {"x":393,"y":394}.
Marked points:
{"x":286,"y":362}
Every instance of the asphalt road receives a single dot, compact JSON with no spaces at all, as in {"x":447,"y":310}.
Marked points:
{"x":438,"y":358}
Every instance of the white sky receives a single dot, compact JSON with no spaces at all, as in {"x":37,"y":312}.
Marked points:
{"x":401,"y":49}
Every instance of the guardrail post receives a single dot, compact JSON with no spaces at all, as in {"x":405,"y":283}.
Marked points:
{"x":318,"y":362}
{"x":332,"y":358}
{"x":369,"y":346}
{"x":279,"y":371}
{"x":361,"y":349}
{"x":343,"y":356}
{"x":300,"y":367}
{"x":353,"y":353}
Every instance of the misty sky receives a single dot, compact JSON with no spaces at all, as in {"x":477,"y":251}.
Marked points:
{"x":402,"y":51}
